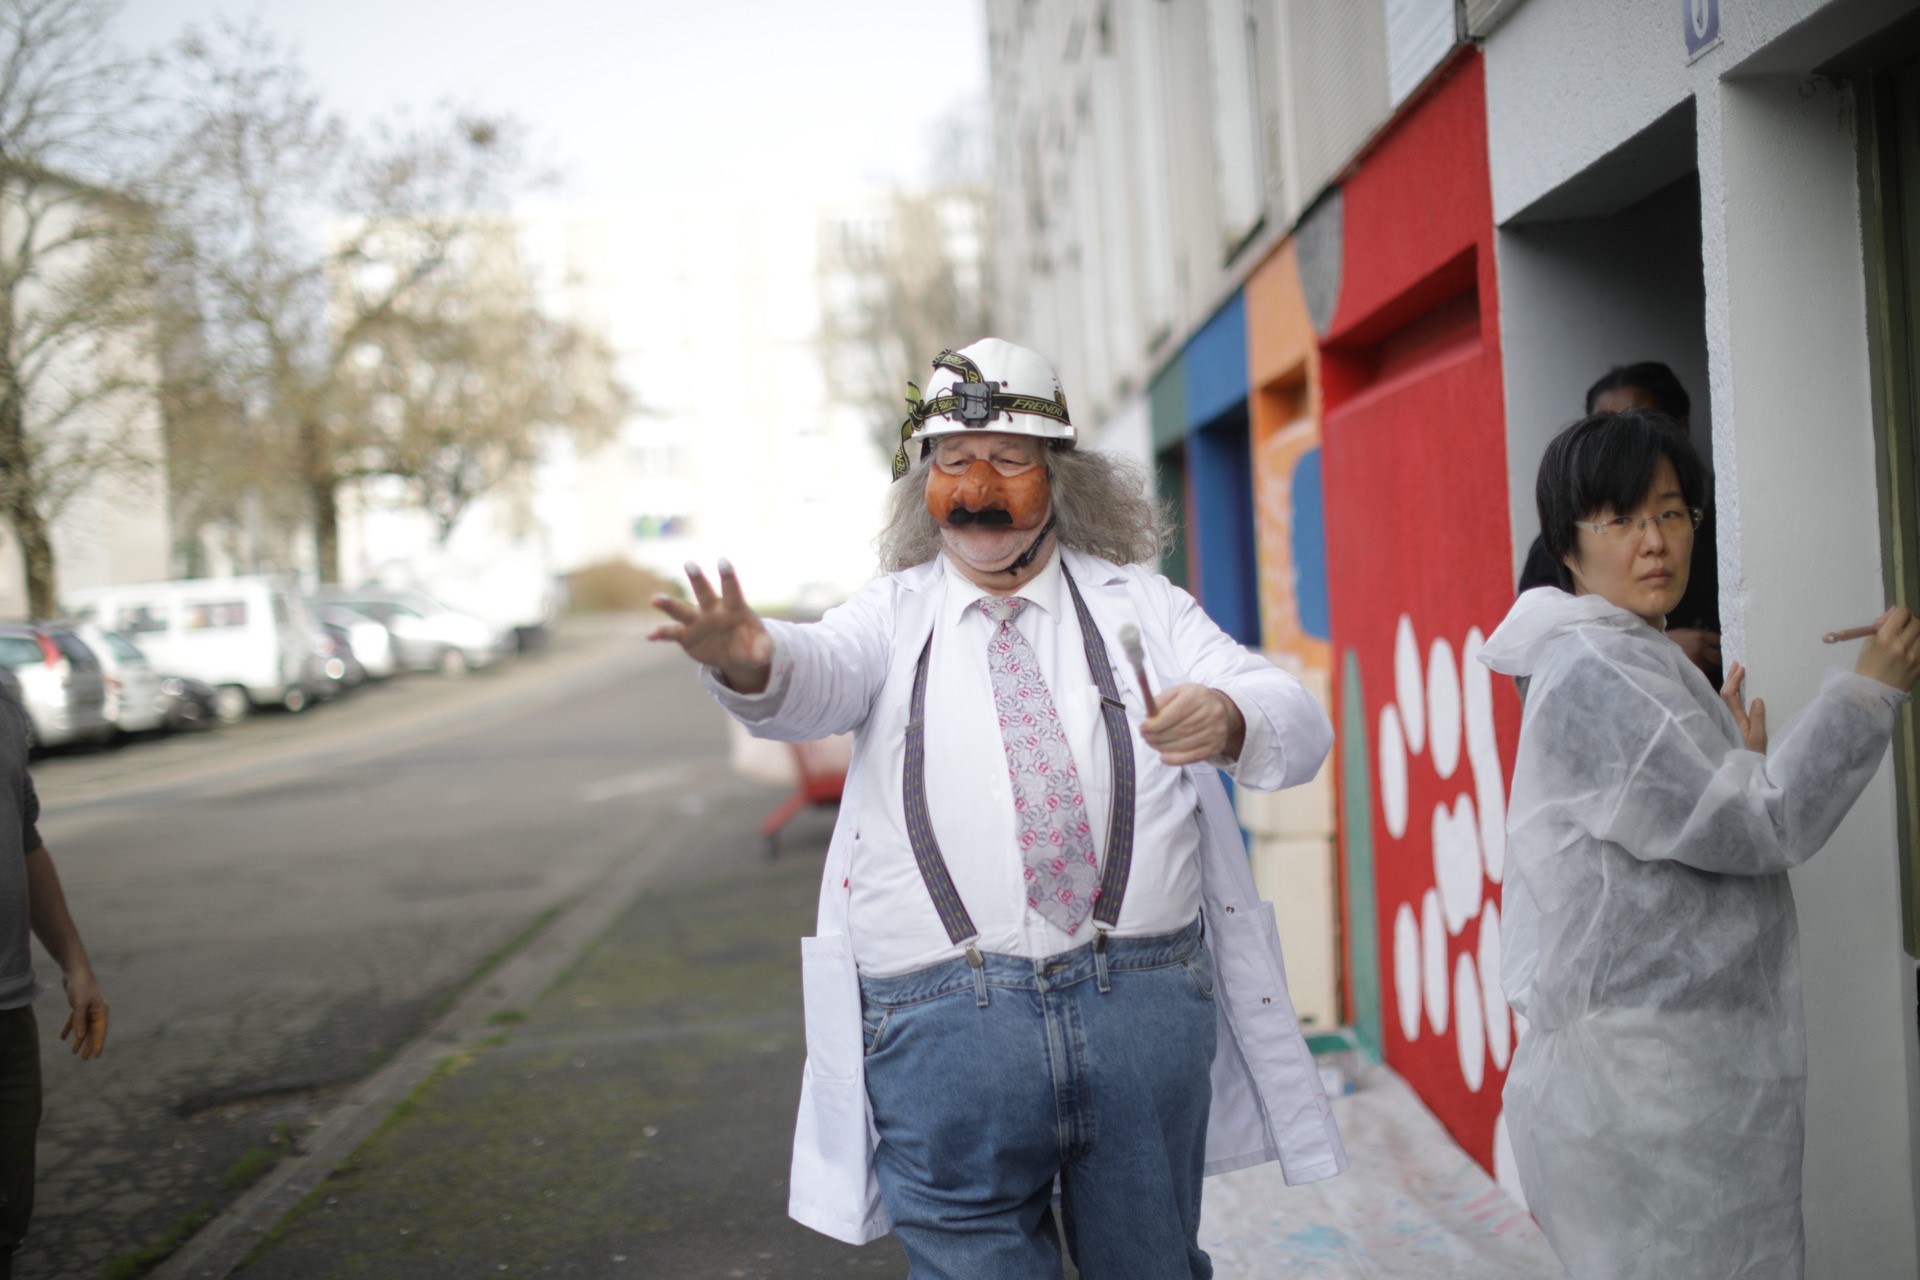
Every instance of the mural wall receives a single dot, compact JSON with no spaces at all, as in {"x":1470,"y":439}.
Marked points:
{"x":1418,"y":556}
{"x":1283,"y":368}
{"x":1292,"y":833}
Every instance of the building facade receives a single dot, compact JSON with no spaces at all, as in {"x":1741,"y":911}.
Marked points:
{"x":1340,"y":271}
{"x":741,"y":442}
{"x":79,"y":339}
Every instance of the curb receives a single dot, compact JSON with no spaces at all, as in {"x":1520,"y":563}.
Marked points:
{"x":217,"y":1250}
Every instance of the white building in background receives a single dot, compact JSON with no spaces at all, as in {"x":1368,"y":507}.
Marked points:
{"x":114,"y":527}
{"x":735,"y":447}
{"x":502,"y":558}
{"x":738,"y":450}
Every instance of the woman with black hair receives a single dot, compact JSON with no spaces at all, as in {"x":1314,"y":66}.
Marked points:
{"x":1655,"y":1100}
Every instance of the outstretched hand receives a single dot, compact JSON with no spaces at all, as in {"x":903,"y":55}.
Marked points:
{"x":1752,"y":720}
{"x":719,"y":631}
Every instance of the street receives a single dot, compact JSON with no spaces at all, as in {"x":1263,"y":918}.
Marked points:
{"x":273,"y":915}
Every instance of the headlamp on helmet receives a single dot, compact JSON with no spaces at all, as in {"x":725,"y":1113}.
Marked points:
{"x":993,"y":385}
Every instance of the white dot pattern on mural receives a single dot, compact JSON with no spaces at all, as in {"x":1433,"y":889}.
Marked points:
{"x":1393,"y":771}
{"x":1442,"y":711}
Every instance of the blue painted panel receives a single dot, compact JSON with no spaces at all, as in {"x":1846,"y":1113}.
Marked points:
{"x":1220,"y":523}
{"x":1310,"y":547}
{"x":1167,"y":406}
{"x":1215,"y":360}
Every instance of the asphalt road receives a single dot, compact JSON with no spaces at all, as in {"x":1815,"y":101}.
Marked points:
{"x":275,"y":910}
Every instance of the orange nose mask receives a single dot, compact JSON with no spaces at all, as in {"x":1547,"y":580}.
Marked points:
{"x":980,"y":495}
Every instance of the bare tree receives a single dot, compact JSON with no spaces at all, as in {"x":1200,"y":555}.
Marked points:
{"x":299,"y":240}
{"x":904,"y":279}
{"x":229,"y":488}
{"x":462,"y":387}
{"x":906,"y":276}
{"x":76,"y":378}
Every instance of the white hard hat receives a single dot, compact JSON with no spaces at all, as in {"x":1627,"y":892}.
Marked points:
{"x":992,"y":385}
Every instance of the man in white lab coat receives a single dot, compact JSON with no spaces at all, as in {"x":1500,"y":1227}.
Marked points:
{"x":1039,"y":953}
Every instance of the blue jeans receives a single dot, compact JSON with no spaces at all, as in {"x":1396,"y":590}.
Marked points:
{"x":987,"y":1083}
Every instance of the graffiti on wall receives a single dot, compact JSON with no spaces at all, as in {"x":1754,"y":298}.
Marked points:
{"x":1293,"y":547}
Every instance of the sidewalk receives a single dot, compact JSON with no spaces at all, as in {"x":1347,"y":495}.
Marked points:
{"x":1411,"y":1206}
{"x":634,"y":1122}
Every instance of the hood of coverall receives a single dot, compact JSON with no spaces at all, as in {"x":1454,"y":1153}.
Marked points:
{"x":1541,"y":617}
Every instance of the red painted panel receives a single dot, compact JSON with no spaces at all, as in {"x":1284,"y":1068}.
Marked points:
{"x":1418,"y":541}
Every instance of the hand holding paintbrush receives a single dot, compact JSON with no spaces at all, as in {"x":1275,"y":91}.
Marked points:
{"x":1892,"y":652}
{"x":1189,"y":722}
{"x":1137,"y":657}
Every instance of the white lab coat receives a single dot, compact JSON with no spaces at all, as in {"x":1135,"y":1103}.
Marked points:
{"x":858,"y":661}
{"x":1655,"y":1100}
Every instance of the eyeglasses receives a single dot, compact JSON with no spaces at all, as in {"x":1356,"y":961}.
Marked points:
{"x":1009,"y":465}
{"x":1621,"y":527}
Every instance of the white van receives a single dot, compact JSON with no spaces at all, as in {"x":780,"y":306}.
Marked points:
{"x":247,"y":637}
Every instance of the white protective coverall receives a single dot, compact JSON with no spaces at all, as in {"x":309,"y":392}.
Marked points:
{"x":1655,"y":1100}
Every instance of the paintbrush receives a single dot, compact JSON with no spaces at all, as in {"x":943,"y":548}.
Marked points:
{"x":1130,"y":641}
{"x":1851,"y":633}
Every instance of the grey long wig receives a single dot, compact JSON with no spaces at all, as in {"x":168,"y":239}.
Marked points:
{"x":1101,"y":506}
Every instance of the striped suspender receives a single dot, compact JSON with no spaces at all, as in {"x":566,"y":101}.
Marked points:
{"x":926,"y":848}
{"x":1113,"y":878}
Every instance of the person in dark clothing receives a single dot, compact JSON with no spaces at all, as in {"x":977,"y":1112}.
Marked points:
{"x":31,"y":900}
{"x":1694,"y":624}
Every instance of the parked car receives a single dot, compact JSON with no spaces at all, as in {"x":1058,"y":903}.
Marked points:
{"x":61,"y":684}
{"x":427,"y":636}
{"x":190,"y":703}
{"x":340,"y":672}
{"x":134,"y":701}
{"x":247,"y":637}
{"x":372,"y":643}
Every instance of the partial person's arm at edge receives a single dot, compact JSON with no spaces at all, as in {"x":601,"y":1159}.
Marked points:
{"x":1682,"y":796}
{"x":53,"y":925}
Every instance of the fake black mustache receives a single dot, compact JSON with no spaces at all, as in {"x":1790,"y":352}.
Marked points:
{"x":959,"y":517}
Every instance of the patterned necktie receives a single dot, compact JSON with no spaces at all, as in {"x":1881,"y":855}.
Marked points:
{"x":1050,"y":813}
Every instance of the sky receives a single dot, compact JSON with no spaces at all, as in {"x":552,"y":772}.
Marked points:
{"x":633,"y":97}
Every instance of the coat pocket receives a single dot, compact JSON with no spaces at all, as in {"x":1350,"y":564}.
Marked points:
{"x":831,"y":990}
{"x":832,"y":1187}
{"x":1254,"y":985}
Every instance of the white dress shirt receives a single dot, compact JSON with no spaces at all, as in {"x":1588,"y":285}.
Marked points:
{"x":893,"y":925}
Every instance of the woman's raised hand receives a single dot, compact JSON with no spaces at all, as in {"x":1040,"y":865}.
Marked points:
{"x":1892,"y":653}
{"x":719,"y":631}
{"x":1752,"y":720}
